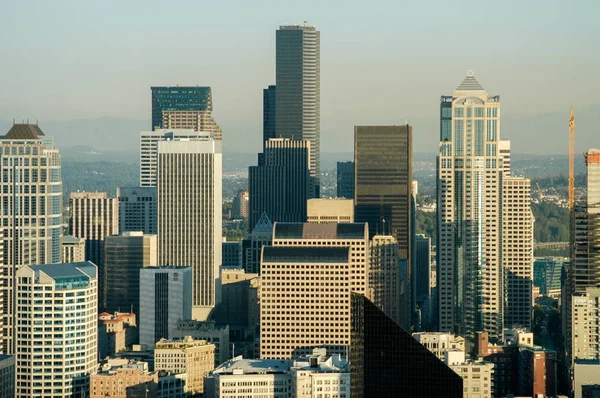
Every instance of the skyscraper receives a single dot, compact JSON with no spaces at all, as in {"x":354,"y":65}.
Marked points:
{"x":189,"y":215}
{"x":279,"y":186}
{"x":298,"y":82}
{"x":93,"y":217}
{"x":67,"y":351}
{"x":517,"y":251}
{"x":126,"y":255}
{"x":469,"y":183}
{"x":183,"y":107}
{"x":269,"y":114}
{"x":30,"y":211}
{"x":345,"y":180}
{"x":385,"y":282}
{"x":137,"y":209}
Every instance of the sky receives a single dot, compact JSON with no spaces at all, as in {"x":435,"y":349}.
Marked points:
{"x":382,"y":62}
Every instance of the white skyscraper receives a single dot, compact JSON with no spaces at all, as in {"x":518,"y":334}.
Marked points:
{"x":57,"y":360}
{"x":30,"y":211}
{"x":165,"y":299}
{"x":469,"y":267}
{"x":149,"y":150}
{"x":189,"y":215}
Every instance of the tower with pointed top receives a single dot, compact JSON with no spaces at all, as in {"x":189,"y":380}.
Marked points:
{"x":469,"y":185}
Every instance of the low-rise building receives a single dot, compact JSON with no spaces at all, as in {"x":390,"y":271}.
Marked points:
{"x":586,"y":379}
{"x":209,"y":331}
{"x":438,"y":342}
{"x":116,"y":332}
{"x":193,"y":358}
{"x":477,"y":375}
{"x":319,"y":375}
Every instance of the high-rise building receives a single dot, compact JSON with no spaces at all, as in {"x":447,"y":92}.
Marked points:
{"x":93,"y":217}
{"x":292,"y":324}
{"x":469,"y":187}
{"x":345,"y":180}
{"x":183,"y":107}
{"x":323,"y":211}
{"x":30,"y":212}
{"x":189,"y":215}
{"x":585,"y":321}
{"x":261,"y":235}
{"x":239,"y":207}
{"x":149,"y":150}
{"x":547,"y":273}
{"x":70,"y":300}
{"x":279,"y":185}
{"x":269,"y":114}
{"x":382,"y":195}
{"x":7,"y":375}
{"x":194,"y":358}
{"x":126,"y":254}
{"x":385,"y":360}
{"x":73,"y":249}
{"x":354,"y":235}
{"x":504,"y":151}
{"x":165,"y":299}
{"x":517,"y":251}
{"x":232,"y":254}
{"x":422,"y":277}
{"x":240,"y":306}
{"x":298,"y":99}
{"x":385,"y":279}
{"x":137,"y":209}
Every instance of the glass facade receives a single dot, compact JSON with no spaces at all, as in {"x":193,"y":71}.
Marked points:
{"x":386,"y":361}
{"x":178,"y":99}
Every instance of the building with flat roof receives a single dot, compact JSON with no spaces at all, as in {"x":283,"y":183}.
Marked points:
{"x":345,"y":180}
{"x":73,"y":249}
{"x":585,"y":378}
{"x":240,"y":305}
{"x":211,"y":332}
{"x":232,"y":254}
{"x":323,"y":211}
{"x":547,"y":273}
{"x":438,"y":342}
{"x":71,"y":298}
{"x":116,"y":332}
{"x":478,"y":376}
{"x":585,"y":323}
{"x":189,"y":357}
{"x":137,"y":209}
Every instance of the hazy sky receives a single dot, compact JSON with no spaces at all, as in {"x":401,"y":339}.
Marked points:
{"x":382,"y":62}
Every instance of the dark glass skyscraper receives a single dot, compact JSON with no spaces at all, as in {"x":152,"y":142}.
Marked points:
{"x":386,"y":361}
{"x":345,"y":180}
{"x":299,"y":90}
{"x":279,"y":185}
{"x":269,"y":114}
{"x":178,"y":98}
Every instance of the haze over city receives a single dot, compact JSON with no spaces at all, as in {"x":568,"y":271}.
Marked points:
{"x":84,"y":69}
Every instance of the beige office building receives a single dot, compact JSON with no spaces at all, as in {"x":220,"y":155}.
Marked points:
{"x":194,"y":358}
{"x":73,"y":249}
{"x":585,"y":322}
{"x":438,"y":343}
{"x":354,"y":235}
{"x":189,"y":215}
{"x":322,"y":211}
{"x":191,"y":120}
{"x":305,"y":299}
{"x":477,"y":375}
{"x":517,"y":251}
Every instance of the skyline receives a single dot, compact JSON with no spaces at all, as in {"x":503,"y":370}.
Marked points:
{"x":392,"y":81}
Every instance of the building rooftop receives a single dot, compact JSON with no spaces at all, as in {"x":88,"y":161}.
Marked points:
{"x":320,"y":231}
{"x":66,"y":270}
{"x":319,"y":362}
{"x":315,"y":255}
{"x":24,"y":131}
{"x":470,"y":83}
{"x":239,"y":365}
{"x":68,"y":239}
{"x":263,"y":224}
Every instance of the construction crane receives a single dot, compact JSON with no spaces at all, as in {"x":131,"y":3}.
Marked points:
{"x":540,"y":191}
{"x":571,"y":160}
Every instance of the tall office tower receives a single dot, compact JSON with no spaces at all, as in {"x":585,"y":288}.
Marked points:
{"x":423,"y":278}
{"x":345,"y":180}
{"x":504,"y":151}
{"x":385,"y":360}
{"x":183,"y":107}
{"x":269,"y":114}
{"x":93,"y":217}
{"x":517,"y":251}
{"x":30,"y":211}
{"x":126,"y":254}
{"x":547,"y":275}
{"x":382,"y":194}
{"x":149,"y":150}
{"x":239,"y":207}
{"x":137,"y":209}
{"x":73,"y":249}
{"x":261,"y":235}
{"x":71,"y":304}
{"x":385,"y":281}
{"x":469,"y":183}
{"x":189,"y":215}
{"x":292,"y":324}
{"x":324,"y":211}
{"x":279,"y":186}
{"x":355,"y":236}
{"x":165,"y":299}
{"x":298,"y":82}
